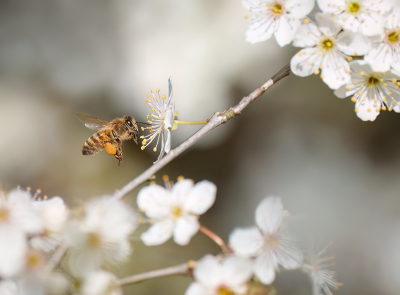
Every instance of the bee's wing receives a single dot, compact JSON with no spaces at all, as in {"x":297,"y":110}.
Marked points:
{"x":92,"y":122}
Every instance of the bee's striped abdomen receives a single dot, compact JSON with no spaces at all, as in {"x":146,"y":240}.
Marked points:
{"x":94,"y":144}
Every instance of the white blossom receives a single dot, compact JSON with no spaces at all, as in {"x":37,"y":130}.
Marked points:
{"x":8,"y":287}
{"x":101,"y":283}
{"x":387,"y":52}
{"x":100,"y":237}
{"x":322,"y":278}
{"x":213,"y":276}
{"x":326,"y":50}
{"x":174,"y":211}
{"x":17,"y":220}
{"x":371,"y":91}
{"x":281,"y":17}
{"x":365,"y":16}
{"x":162,"y":120}
{"x":267,"y":242}
{"x":54,"y":214}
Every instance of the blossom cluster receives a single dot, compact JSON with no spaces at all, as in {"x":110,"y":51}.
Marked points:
{"x":52,"y":250}
{"x":353,"y":45}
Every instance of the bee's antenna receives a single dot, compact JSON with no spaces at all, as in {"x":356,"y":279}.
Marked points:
{"x":143,"y":123}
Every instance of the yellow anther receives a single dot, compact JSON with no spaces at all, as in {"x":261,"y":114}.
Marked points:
{"x":158,"y":90}
{"x":349,"y":58}
{"x":394,"y":101}
{"x":180,"y":178}
{"x":191,"y":264}
{"x":142,"y":136}
{"x":158,"y":131}
{"x":316,"y":72}
{"x":142,"y":128}
{"x":163,"y":97}
{"x":385,"y":84}
{"x":362,"y":86}
{"x":144,"y":142}
{"x":39,"y":191}
{"x":322,"y":76}
{"x":383,"y":108}
{"x":142,"y":148}
{"x":362,"y":73}
{"x":153,"y":183}
{"x":375,"y":100}
{"x":378,"y":109}
{"x":368,"y":110}
{"x":165,"y":177}
{"x":384,"y":98}
{"x":348,"y":89}
{"x":246,"y":17}
{"x":390,"y":93}
{"x":148,"y":121}
{"x":306,"y":20}
{"x":155,"y":149}
{"x":148,"y":95}
{"x":390,"y":109}
{"x":394,"y":80}
{"x":147,"y":116}
{"x":360,"y":93}
{"x":45,"y":197}
{"x":356,"y":110}
{"x":151,"y":90}
{"x":353,"y":99}
{"x":321,"y":67}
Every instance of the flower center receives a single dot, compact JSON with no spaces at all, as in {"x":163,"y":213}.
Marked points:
{"x":177,"y":212}
{"x":34,"y":259}
{"x":275,"y":8}
{"x":327,"y":44}
{"x":3,"y":214}
{"x":394,"y":37}
{"x":353,"y":7}
{"x":224,"y":291}
{"x":272,"y":241}
{"x":373,"y":81}
{"x":94,"y":240}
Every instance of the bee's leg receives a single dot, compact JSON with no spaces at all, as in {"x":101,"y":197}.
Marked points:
{"x":118,"y":154}
{"x":135,"y":138}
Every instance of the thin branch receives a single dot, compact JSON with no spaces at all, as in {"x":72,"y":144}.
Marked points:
{"x":213,"y":236}
{"x":181,"y":269}
{"x":216,"y":120}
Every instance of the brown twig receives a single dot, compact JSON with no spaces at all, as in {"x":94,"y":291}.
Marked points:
{"x":216,"y":120}
{"x":181,"y":269}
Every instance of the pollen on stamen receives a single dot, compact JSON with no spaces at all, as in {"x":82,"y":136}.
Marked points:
{"x":306,"y":20}
{"x":390,"y":109}
{"x":394,"y":101}
{"x":180,"y":178}
{"x":322,"y":76}
{"x":28,"y":188}
{"x":155,"y":149}
{"x":368,"y":110}
{"x":153,"y":182}
{"x":349,"y":58}
{"x":165,"y":177}
{"x":246,"y":17}
{"x":394,"y":80}
{"x":142,"y":148}
{"x":148,"y":121}
{"x":148,"y":95}
{"x":353,"y":99}
{"x":384,"y":108}
{"x":316,"y":72}
{"x":142,"y":128}
{"x":356,"y":110}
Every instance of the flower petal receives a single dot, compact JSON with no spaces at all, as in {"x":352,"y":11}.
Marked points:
{"x":246,"y":242}
{"x":366,"y":110}
{"x":101,"y":282}
{"x":154,"y":200}
{"x":260,"y":29}
{"x":269,"y":214}
{"x":286,"y":28}
{"x":300,"y":8}
{"x":327,"y":24}
{"x":197,"y":289}
{"x":371,"y":23}
{"x":180,"y":192}
{"x":306,"y":62}
{"x":13,"y":247}
{"x":353,"y":44}
{"x":307,"y":35}
{"x":335,"y":71}
{"x":380,"y":58}
{"x":236,"y":271}
{"x":185,"y":228}
{"x":158,"y":233}
{"x":331,"y":6}
{"x":201,"y":197}
{"x":264,"y":270}
{"x":208,"y":272}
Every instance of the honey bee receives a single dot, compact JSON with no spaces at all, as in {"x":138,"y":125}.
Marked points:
{"x":110,"y":134}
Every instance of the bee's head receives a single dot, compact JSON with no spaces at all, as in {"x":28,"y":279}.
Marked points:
{"x":131,"y":123}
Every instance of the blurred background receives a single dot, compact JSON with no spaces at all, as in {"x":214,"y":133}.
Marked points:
{"x":338,"y":176}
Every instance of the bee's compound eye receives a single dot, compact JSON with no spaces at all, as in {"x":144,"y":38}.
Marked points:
{"x":110,"y":148}
{"x":129,"y":122}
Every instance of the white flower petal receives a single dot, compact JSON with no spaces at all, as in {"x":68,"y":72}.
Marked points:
{"x":169,"y":116}
{"x":300,"y":8}
{"x":8,"y":287}
{"x":393,"y":19}
{"x":286,"y":28}
{"x":246,"y":242}
{"x":264,"y":270}
{"x":260,"y":29}
{"x":335,"y":71}
{"x":327,"y":24}
{"x":180,"y":192}
{"x":236,"y":271}
{"x":197,"y":289}
{"x":201,"y":197}
{"x":331,"y":6}
{"x":307,"y":35}
{"x":13,"y":247}
{"x":170,"y":91}
{"x":366,"y":110}
{"x":372,"y":24}
{"x":185,"y":228}
{"x":53,"y":212}
{"x":208,"y":272}
{"x":101,"y":282}
{"x":291,"y":259}
{"x":349,"y":22}
{"x":269,"y":214}
{"x":154,"y":200}
{"x":306,"y":62}
{"x":158,"y":233}
{"x":380,"y":58}
{"x":353,"y":44}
